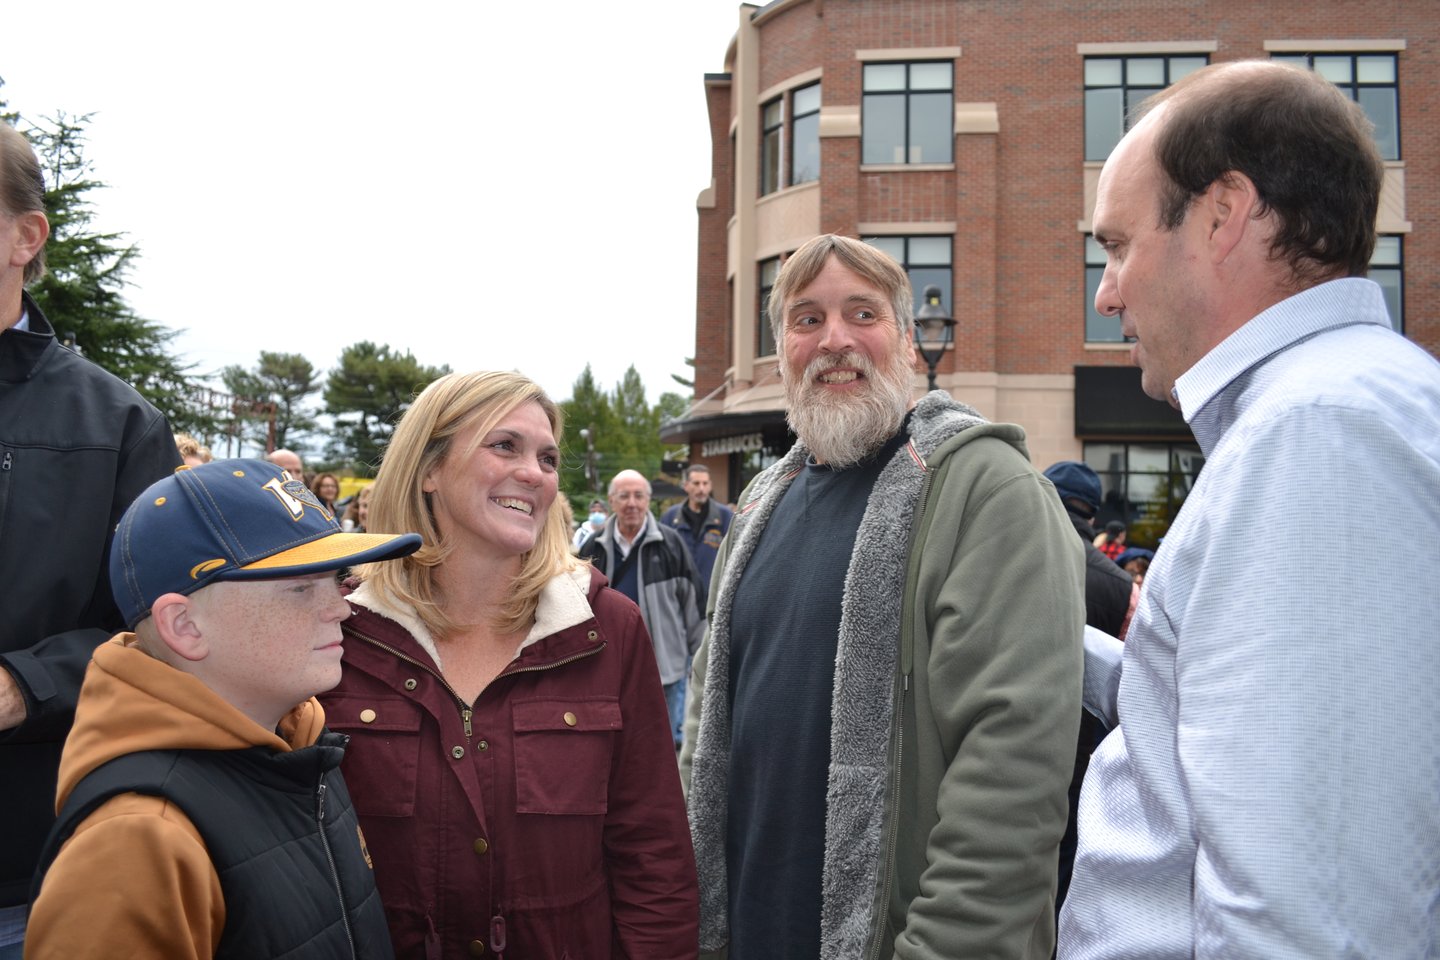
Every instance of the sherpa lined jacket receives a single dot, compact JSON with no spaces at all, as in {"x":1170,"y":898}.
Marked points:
{"x":957,"y":699}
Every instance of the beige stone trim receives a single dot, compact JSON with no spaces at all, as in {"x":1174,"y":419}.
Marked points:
{"x":977,"y":118}
{"x":909,"y":228}
{"x":790,"y":83}
{"x":903,"y":167}
{"x":909,"y":53}
{"x":1338,"y":46}
{"x":1154,"y":46}
{"x":839,"y":121}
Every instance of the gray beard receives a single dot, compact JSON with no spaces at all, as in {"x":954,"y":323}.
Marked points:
{"x":841,"y":431}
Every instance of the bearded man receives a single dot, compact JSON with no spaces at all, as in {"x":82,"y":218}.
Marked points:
{"x":883,"y":722}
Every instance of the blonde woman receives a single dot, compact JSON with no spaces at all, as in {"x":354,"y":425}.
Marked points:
{"x":510,"y":759}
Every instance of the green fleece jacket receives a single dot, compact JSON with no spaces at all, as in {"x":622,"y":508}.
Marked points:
{"x":956,"y":703}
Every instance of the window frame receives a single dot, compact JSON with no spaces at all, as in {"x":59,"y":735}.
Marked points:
{"x":764,"y":333}
{"x":1397,"y":317}
{"x":1184,"y":462}
{"x":771,"y":176}
{"x":910,"y":264}
{"x":906,"y":94}
{"x":1127,"y":89}
{"x":1353,"y":87}
{"x":795,"y":118}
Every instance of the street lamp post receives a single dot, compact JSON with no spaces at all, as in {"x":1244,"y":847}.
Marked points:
{"x":934,"y":330}
{"x":588,"y":435}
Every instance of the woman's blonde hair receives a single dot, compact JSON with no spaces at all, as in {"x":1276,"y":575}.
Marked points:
{"x":424,"y":437}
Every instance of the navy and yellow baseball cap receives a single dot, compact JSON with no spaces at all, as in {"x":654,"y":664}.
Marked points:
{"x":231,"y":520}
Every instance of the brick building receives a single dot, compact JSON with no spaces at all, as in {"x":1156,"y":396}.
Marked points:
{"x":966,"y":138}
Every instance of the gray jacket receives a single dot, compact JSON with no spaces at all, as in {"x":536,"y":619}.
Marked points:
{"x":956,"y":704}
{"x":670,"y":591}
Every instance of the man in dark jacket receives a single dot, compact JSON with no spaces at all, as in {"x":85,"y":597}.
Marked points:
{"x":701,"y":522}
{"x":647,"y":562}
{"x":76,"y":446}
{"x":1108,"y":595}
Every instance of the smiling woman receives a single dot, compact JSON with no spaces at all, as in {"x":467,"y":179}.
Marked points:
{"x":508,"y":730}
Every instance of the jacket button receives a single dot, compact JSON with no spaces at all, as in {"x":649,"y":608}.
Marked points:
{"x":477,"y":948}
{"x":570,"y":719}
{"x":410,"y":683}
{"x":481,"y":847}
{"x":457,"y":752}
{"x":483,"y":745}
{"x":367,"y":715}
{"x":593,"y":635}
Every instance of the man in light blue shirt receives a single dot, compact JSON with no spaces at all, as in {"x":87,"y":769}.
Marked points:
{"x":1274,"y":787}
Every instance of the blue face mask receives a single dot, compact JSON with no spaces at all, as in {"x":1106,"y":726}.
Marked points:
{"x":597,"y":519}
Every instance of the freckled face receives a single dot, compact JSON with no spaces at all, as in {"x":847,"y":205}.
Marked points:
{"x":271,"y":643}
{"x":495,"y":497}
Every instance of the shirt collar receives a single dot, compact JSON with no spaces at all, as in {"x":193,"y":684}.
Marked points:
{"x":1336,"y":303}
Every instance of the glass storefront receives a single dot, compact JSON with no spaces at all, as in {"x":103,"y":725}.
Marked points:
{"x":1143,"y":485}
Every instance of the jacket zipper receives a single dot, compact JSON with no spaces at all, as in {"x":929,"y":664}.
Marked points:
{"x":907,"y":626}
{"x":465,"y":712}
{"x":330,"y":858}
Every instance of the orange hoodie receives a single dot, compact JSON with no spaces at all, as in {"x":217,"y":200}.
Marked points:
{"x":135,"y":880}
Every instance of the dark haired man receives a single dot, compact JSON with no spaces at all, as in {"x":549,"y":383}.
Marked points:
{"x":76,"y":446}
{"x":1271,"y":789}
{"x":701,"y":522}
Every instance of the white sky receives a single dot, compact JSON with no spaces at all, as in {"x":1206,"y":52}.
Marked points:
{"x":488,"y":185}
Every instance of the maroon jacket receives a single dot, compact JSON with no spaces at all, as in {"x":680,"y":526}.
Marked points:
{"x":545,"y":821}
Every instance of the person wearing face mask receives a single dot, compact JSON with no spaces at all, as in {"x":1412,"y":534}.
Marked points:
{"x":592,"y":525}
{"x":510,"y":755}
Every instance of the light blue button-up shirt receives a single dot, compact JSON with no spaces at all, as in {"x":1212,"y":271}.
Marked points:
{"x":1274,"y":787}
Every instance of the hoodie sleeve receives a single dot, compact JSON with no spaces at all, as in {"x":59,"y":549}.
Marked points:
{"x":134,"y":881}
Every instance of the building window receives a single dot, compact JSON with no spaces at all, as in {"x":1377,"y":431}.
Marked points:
{"x":908,"y":113}
{"x":1114,"y":87}
{"x":927,"y":260}
{"x":1367,"y":78}
{"x":805,"y":134}
{"x":1098,"y":327}
{"x":764,"y":333}
{"x":1143,"y":485}
{"x":1387,"y":268}
{"x":772,"y":125}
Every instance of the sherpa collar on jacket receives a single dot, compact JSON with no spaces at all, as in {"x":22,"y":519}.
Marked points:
{"x":865,"y":672}
{"x":563,"y":603}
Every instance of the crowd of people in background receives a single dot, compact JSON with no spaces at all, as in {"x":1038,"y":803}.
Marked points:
{"x":903,"y":700}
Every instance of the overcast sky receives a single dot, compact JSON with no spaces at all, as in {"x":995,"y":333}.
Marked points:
{"x":488,"y":185}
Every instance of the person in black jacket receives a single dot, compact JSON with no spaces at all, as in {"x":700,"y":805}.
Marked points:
{"x":76,"y":446}
{"x":1108,"y":602}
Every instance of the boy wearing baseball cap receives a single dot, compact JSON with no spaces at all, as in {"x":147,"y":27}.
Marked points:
{"x":201,"y":810}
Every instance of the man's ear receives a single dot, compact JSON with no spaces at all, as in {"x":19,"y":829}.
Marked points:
{"x":174,"y":617}
{"x":1229,"y":208}
{"x":31,"y":232}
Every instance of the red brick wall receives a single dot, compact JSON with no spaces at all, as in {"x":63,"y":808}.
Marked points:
{"x":1016,"y":197}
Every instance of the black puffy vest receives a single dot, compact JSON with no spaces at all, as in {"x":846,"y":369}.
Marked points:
{"x":260,"y":814}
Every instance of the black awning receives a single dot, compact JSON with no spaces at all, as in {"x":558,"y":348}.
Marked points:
{"x":1109,"y":404}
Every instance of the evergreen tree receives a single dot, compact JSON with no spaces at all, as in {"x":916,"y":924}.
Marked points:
{"x":284,"y":379}
{"x":366,"y":392}
{"x":82,"y":292}
{"x":625,"y":432}
{"x":587,"y":409}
